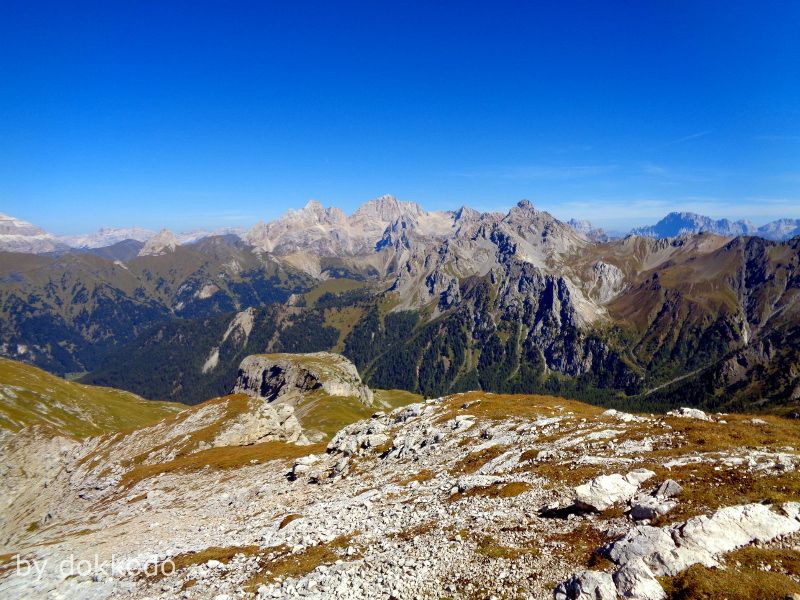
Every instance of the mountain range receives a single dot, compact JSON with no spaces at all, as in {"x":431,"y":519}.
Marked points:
{"x":429,"y":302}
{"x":330,"y":231}
{"x":683,"y":223}
{"x":383,"y":405}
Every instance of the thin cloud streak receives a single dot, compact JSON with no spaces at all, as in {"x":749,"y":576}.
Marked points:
{"x":684,"y":139}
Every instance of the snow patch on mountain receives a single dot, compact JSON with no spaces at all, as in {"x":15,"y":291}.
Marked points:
{"x":17,"y":235}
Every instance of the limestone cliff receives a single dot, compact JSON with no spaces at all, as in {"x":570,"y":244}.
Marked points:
{"x":271,"y":376}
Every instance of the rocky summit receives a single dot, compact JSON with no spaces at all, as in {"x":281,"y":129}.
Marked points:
{"x":469,"y":495}
{"x":689,"y":312}
{"x":274,"y":375}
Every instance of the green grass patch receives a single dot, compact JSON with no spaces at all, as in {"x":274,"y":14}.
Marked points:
{"x":30,"y":396}
{"x":332,"y":286}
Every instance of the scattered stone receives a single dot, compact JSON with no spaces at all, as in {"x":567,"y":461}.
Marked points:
{"x":669,"y":488}
{"x":649,"y":507}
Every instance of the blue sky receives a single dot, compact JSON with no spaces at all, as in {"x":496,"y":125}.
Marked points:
{"x":222,"y":113}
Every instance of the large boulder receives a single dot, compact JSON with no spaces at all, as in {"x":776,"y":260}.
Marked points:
{"x":635,"y":580}
{"x":646,"y":507}
{"x":271,"y":376}
{"x":605,"y":491}
{"x":667,"y":551}
{"x":588,"y":585}
{"x":690,"y":413}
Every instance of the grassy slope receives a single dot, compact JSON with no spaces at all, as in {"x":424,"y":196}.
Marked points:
{"x":30,"y":396}
{"x":333,"y":286}
{"x":329,"y":414}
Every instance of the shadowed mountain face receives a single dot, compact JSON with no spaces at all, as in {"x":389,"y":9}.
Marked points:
{"x":66,"y":312}
{"x":432,"y":303}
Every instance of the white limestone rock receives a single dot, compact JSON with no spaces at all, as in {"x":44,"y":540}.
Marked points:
{"x":635,"y":580}
{"x":271,"y":376}
{"x":587,"y":585}
{"x":690,"y":413}
{"x":605,"y":491}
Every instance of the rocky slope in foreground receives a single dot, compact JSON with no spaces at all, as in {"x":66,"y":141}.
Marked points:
{"x":468,"y":496}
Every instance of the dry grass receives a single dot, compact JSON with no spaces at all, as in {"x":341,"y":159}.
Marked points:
{"x":332,"y":286}
{"x":475,"y":460}
{"x":558,"y":474}
{"x":412,"y":532}
{"x":752,"y":574}
{"x":227,"y":457}
{"x":6,"y":562}
{"x":328,"y":414}
{"x":343,"y":319}
{"x":498,"y":407}
{"x":287,"y":565}
{"x":580,"y":546}
{"x":232,"y":407}
{"x":183,"y":561}
{"x":138,"y":498}
{"x":491,"y":548}
{"x":709,"y":485}
{"x":423,"y":476}
{"x":706,"y":489}
{"x":392,"y":399}
{"x":737,"y":432}
{"x":779,"y":560}
{"x":72,"y":409}
{"x":288,"y":519}
{"x":499,"y":490}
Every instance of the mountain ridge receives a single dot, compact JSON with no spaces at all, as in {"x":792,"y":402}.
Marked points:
{"x":439,"y":303}
{"x":306,"y":228}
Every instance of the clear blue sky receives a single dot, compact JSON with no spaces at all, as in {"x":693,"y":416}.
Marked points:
{"x":222,"y":113}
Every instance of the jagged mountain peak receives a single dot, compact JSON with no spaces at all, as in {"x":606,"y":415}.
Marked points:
{"x":680,"y":223}
{"x":163,"y":242}
{"x":465,"y":213}
{"x":525,"y":204}
{"x":585,"y":227}
{"x":387,"y":208}
{"x":315,"y":213}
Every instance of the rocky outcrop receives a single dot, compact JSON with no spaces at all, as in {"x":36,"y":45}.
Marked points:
{"x":645,"y":553}
{"x":605,"y":281}
{"x":587,"y":585}
{"x":272,"y":376}
{"x":604,"y":491}
{"x":329,"y":232}
{"x":263,"y":422}
{"x":162,"y":243}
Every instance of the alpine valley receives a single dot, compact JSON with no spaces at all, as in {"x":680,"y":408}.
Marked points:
{"x":401,"y":404}
{"x":427,"y":302}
